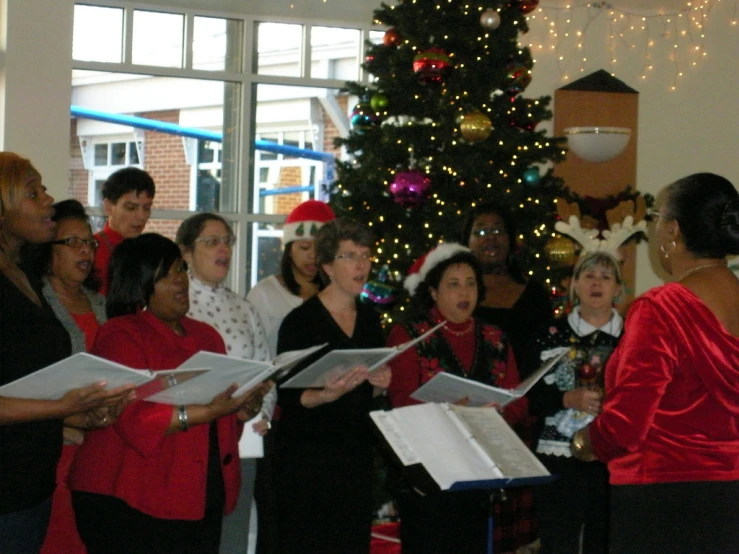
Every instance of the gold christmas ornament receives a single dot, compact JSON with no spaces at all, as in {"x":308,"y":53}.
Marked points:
{"x":560,"y":251}
{"x":475,"y":126}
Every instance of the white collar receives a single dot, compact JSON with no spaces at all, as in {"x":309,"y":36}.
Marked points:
{"x":198,"y":284}
{"x":582,"y":328}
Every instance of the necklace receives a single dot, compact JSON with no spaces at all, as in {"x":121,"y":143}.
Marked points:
{"x":699,"y":267}
{"x":460,"y":333}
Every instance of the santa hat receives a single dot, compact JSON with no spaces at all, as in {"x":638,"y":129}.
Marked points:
{"x":305,"y":220}
{"x":421,"y":267}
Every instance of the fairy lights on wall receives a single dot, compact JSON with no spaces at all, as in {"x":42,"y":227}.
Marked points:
{"x":666,"y":43}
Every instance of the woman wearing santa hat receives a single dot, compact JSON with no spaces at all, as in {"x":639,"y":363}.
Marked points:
{"x":277,"y":295}
{"x":446,"y":285}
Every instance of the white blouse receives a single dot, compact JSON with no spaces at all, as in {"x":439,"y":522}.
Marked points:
{"x":273,"y":302}
{"x":238,"y":323}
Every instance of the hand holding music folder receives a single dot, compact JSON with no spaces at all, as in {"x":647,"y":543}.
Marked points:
{"x":337,"y":362}
{"x":460,"y":447}
{"x":196,"y":381}
{"x":225,"y":371}
{"x":445,"y":387}
{"x":83,"y":369}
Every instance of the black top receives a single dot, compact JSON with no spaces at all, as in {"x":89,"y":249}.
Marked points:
{"x":345,"y":421}
{"x":583,"y":366}
{"x":532,"y":309}
{"x":31,"y":338}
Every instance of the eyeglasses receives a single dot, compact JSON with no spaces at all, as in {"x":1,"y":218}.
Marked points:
{"x":77,"y":242}
{"x":353,"y":257}
{"x":653,"y":215}
{"x":489,"y":231}
{"x":211,"y":242}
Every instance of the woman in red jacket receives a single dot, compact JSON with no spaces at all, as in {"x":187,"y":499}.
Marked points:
{"x":160,"y":478}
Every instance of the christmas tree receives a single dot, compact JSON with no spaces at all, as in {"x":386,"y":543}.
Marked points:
{"x":444,"y":126}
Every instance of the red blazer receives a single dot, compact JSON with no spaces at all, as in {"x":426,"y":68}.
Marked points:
{"x":162,"y":476}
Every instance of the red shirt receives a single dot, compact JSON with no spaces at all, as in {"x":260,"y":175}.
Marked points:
{"x":109,"y":240}
{"x":671,"y":411}
{"x":161,"y":475}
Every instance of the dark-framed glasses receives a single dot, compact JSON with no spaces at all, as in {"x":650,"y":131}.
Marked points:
{"x":489,"y":231}
{"x":353,"y":257}
{"x":213,"y":241}
{"x":77,"y":242}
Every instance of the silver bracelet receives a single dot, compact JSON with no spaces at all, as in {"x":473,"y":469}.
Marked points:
{"x":182,"y":417}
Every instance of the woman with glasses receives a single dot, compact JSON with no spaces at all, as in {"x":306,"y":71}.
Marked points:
{"x":516,"y":306}
{"x":446,"y":285}
{"x":323,"y":458}
{"x":274,"y":297}
{"x":70,"y":287}
{"x":207,"y":241}
{"x":668,"y":426}
{"x":161,"y":477}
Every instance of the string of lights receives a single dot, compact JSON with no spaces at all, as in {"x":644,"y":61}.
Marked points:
{"x":667,"y":41}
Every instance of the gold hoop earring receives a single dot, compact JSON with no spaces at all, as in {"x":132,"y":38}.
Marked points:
{"x":667,"y":252}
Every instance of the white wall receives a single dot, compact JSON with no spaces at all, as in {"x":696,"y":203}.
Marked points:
{"x":694,"y":128}
{"x":35,"y":69}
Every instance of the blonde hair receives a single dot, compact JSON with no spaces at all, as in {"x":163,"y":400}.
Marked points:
{"x":591,"y":260}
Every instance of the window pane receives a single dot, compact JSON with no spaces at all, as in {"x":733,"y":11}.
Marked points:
{"x":118,"y":153}
{"x":97,"y":34}
{"x":279,"y":49}
{"x":335,"y":53}
{"x":158,"y":38}
{"x":300,"y":155}
{"x":101,"y":154}
{"x":188,"y":172}
{"x":133,"y":154}
{"x":217,"y":44}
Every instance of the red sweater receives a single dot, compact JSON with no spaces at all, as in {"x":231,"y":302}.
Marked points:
{"x":109,"y":240}
{"x":163,"y":476}
{"x":671,"y":411}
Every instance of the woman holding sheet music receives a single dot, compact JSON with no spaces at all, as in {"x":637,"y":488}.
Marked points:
{"x":446,"y":285}
{"x":70,"y":286}
{"x":159,"y":479}
{"x":206,"y":241}
{"x":31,"y":338}
{"x":323,"y":460}
{"x":567,"y":399}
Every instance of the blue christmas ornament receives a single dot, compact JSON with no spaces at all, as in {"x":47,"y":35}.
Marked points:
{"x":531,"y":176}
{"x":379,"y":291}
{"x":364,"y":117}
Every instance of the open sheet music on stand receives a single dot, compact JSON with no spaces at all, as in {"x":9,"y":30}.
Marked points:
{"x":338,"y":362}
{"x":445,"y":387}
{"x":460,"y":447}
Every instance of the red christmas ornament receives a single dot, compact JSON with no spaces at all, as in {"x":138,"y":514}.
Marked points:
{"x":527,"y":6}
{"x":410,"y":188}
{"x":391,"y":38}
{"x":518,"y":76}
{"x":587,"y":373}
{"x":432,"y":65}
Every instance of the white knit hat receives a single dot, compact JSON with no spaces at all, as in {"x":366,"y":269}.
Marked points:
{"x":306,"y":219}
{"x":421,"y":267}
